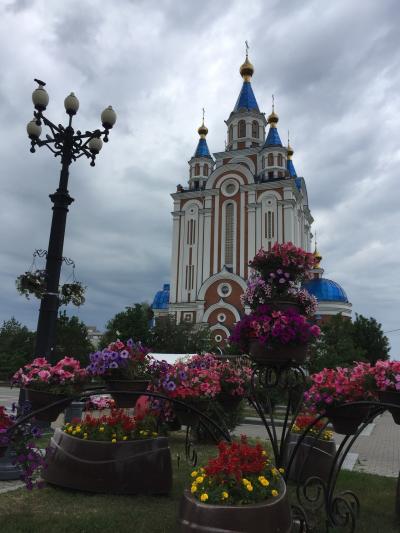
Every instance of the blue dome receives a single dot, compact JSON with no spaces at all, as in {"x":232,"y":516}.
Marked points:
{"x":273,"y":138}
{"x":246,"y":99}
{"x":326,"y":290}
{"x":202,"y":149}
{"x":161,"y":299}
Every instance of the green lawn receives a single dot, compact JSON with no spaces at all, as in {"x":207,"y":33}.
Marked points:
{"x":60,"y":511}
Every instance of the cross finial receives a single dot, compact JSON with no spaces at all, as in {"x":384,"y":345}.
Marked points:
{"x":273,"y":103}
{"x":203,"y":114}
{"x":315,"y":238}
{"x":247,"y":49}
{"x":288,"y":137}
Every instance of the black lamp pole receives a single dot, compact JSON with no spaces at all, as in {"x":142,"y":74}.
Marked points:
{"x":69,"y":145}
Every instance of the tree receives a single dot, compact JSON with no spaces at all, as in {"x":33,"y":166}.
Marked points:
{"x":72,"y":339}
{"x":133,"y":323}
{"x":368,"y":336}
{"x":335,"y":346}
{"x":16,"y":347}
{"x":169,"y":337}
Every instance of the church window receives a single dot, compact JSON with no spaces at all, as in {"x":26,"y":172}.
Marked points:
{"x":196,"y":185}
{"x":280,"y":160}
{"x":269,"y":225}
{"x":242,"y":128}
{"x":270,"y":174}
{"x":229,"y":236}
{"x":191,"y":232}
{"x":254,"y":129}
{"x":205,"y":170}
{"x":270,"y":160}
{"x":230,"y":133}
{"x":197,"y":169}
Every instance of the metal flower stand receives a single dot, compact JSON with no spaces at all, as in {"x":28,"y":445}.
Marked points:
{"x":316,"y":506}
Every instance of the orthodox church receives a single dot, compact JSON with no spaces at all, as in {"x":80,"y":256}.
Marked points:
{"x":237,"y":201}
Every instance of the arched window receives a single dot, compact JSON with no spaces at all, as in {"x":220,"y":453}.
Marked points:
{"x":229,"y":234}
{"x":197,"y":169}
{"x":270,"y":160}
{"x":255,"y":129}
{"x":230,"y":133}
{"x":242,"y":128}
{"x":205,"y":170}
{"x":280,"y":160}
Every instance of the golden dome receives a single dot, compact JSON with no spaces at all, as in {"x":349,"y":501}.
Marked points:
{"x":290,"y":151}
{"x":202,"y":131}
{"x":317,"y":256}
{"x":246,"y":70}
{"x":273,"y":119}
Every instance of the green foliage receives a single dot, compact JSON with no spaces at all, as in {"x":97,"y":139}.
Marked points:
{"x":133,"y":323}
{"x":16,"y":347}
{"x":169,"y":337}
{"x":336,"y":346}
{"x":368,"y":336}
{"x":72,"y":338}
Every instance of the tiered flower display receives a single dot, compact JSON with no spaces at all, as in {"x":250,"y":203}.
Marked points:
{"x":65,"y":377}
{"x":280,"y":310}
{"x":241,"y":474}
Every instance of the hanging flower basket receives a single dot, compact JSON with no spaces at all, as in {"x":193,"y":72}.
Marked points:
{"x":279,"y":355}
{"x":32,"y":283}
{"x":346,"y":419}
{"x":228,"y":402}
{"x":119,"y":390}
{"x":391,"y":396}
{"x":72,"y":293}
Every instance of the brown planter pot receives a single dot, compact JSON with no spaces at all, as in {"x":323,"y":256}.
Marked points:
{"x":391,"y":396}
{"x":313,"y":458}
{"x":187,"y":417}
{"x":126,"y":467}
{"x":124,"y":399}
{"x":228,"y":402}
{"x":3,"y":449}
{"x":39,"y":399}
{"x":285,"y":305}
{"x":271,"y":516}
{"x":345,"y":420}
{"x":265,"y":355}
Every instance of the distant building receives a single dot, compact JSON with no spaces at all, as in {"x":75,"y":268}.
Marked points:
{"x":94,"y":335}
{"x":237,"y":201}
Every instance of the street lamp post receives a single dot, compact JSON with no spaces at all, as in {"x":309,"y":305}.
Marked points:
{"x":69,"y":145}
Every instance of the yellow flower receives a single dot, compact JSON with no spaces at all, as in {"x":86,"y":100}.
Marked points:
{"x":274,"y":492}
{"x":69,"y":429}
{"x":113,"y":441}
{"x":245,"y":481}
{"x":263,"y":452}
{"x":193,"y":489}
{"x":85,"y":435}
{"x":264,"y":482}
{"x":124,"y":438}
{"x":194,"y":473}
{"x":281,"y":470}
{"x":274,"y":471}
{"x":154,"y":433}
{"x":78,"y":429}
{"x":114,"y":435}
{"x":101,"y":428}
{"x":204,"y":497}
{"x":224,"y":495}
{"x":74,"y":433}
{"x":199,"y":479}
{"x":249,"y":487}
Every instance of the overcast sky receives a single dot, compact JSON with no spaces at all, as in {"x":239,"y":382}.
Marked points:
{"x":334,"y":68}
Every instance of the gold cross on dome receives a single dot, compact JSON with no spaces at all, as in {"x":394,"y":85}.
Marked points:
{"x":203,"y":114}
{"x":247,"y":49}
{"x":273,"y":103}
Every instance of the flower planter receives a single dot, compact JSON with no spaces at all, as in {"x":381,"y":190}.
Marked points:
{"x":314,"y":457}
{"x":185,"y":415}
{"x":3,"y":449}
{"x":265,"y":355}
{"x":391,"y":396}
{"x":228,"y":402}
{"x":285,"y":305}
{"x":125,"y":467}
{"x":39,"y":399}
{"x":124,"y":399}
{"x":271,"y":516}
{"x":346,"y":419}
